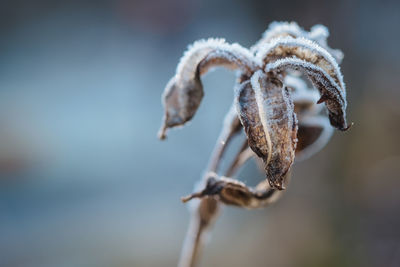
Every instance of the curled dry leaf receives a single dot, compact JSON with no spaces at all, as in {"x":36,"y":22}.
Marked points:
{"x":184,"y":92}
{"x":286,"y":47}
{"x":315,"y":62}
{"x":266,"y":112}
{"x":331,"y":93}
{"x":233,"y":192}
{"x":318,"y":34}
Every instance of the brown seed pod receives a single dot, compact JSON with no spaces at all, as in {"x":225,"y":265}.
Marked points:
{"x":184,"y":92}
{"x":267,"y":115}
{"x":233,"y":192}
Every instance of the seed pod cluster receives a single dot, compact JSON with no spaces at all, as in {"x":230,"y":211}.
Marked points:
{"x":282,"y":82}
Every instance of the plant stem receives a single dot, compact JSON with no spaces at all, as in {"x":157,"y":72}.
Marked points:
{"x":206,"y":209}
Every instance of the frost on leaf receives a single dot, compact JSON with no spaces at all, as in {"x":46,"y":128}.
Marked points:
{"x":331,"y":92}
{"x":184,"y":92}
{"x":303,"y":49}
{"x":250,"y":117}
{"x":318,"y":33}
{"x":314,"y":127}
{"x":266,"y":112}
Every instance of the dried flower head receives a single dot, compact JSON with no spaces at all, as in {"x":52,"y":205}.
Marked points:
{"x":281,"y":83}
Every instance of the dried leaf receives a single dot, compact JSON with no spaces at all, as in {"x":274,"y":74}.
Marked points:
{"x":331,"y":93}
{"x":304,"y":49}
{"x":184,"y":92}
{"x":318,"y":33}
{"x":250,"y":117}
{"x":266,"y":112}
{"x":233,"y":192}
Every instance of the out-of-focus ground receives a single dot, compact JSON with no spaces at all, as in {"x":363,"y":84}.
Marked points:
{"x":85,"y":182}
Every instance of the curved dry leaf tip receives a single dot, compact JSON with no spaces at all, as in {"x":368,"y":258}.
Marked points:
{"x":162,"y":133}
{"x":192,"y":196}
{"x":212,"y":187}
{"x":184,"y":92}
{"x":310,"y":70}
{"x":323,"y":82}
{"x":318,"y":33}
{"x":196,"y":46}
{"x":348,"y":126}
{"x":181,"y":100}
{"x":200,"y":49}
{"x":304,"y":49}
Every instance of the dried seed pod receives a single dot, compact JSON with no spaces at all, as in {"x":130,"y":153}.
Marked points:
{"x":249,"y":114}
{"x":233,"y":192}
{"x":184,"y":92}
{"x":331,"y":93}
{"x":266,"y":112}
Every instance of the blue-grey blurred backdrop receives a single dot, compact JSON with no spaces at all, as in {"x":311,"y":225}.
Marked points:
{"x":85,"y":182}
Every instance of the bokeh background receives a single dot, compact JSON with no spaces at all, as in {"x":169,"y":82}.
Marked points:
{"x":85,"y":182}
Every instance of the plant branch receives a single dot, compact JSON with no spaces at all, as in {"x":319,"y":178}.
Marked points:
{"x":204,"y":211}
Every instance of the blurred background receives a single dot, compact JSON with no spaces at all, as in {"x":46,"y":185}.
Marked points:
{"x":85,"y":182}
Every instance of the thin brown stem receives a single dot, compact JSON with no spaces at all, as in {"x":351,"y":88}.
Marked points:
{"x":205,"y":211}
{"x":244,"y":154}
{"x":207,"y":207}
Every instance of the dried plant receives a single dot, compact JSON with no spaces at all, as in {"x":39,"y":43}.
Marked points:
{"x":281,"y":81}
